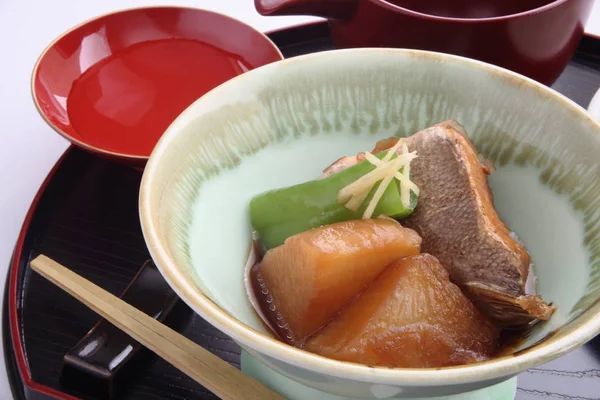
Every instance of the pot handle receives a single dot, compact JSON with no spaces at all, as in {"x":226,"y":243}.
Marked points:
{"x":330,"y":9}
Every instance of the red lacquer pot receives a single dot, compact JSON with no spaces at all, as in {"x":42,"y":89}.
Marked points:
{"x":536,"y":38}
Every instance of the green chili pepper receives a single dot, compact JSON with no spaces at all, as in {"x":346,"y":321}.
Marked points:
{"x":278,"y":214}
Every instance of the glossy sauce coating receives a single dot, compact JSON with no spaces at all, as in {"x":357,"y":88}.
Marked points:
{"x":412,"y":316}
{"x":305,"y":282}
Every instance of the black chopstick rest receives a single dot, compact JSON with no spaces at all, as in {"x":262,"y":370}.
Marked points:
{"x":94,"y":366}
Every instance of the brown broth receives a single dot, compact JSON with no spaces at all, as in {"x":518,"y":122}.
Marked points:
{"x":264,"y":324}
{"x":275,"y":322}
{"x":470,"y":8}
{"x":255,"y":287}
{"x":510,"y":341}
{"x":547,"y":337}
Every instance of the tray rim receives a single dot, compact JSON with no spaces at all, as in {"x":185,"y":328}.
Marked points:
{"x":17,"y":351}
{"x":13,"y":276}
{"x":17,"y":387}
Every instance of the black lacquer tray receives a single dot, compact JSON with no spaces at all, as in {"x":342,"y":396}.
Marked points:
{"x":85,"y":216}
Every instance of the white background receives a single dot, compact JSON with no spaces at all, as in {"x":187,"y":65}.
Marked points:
{"x":28,"y":147}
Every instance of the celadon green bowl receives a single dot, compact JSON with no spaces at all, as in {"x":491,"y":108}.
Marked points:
{"x":283,"y":123}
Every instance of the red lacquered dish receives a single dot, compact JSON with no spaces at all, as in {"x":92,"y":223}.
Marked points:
{"x":112,"y":85}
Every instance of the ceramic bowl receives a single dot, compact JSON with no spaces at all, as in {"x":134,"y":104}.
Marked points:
{"x":594,"y":106}
{"x":283,"y":123}
{"x":113,"y":84}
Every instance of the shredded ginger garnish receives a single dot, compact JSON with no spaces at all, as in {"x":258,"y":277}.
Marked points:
{"x":386,"y":169}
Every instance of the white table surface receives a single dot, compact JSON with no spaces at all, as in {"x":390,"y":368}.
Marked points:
{"x":29,"y":148}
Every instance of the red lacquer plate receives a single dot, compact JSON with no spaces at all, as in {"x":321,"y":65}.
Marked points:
{"x":112,"y":85}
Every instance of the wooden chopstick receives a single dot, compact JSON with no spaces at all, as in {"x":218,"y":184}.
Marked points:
{"x":210,"y":371}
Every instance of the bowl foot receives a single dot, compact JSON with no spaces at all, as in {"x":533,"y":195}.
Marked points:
{"x":296,"y":391}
